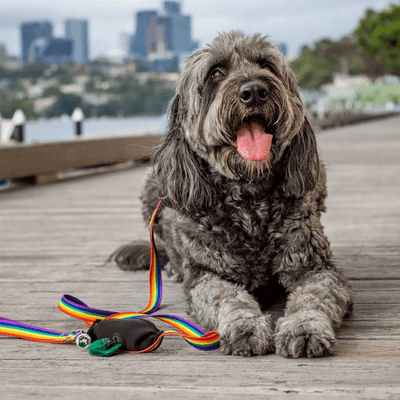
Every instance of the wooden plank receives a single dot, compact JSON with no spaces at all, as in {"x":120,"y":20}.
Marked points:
{"x":31,"y":159}
{"x":54,"y":238}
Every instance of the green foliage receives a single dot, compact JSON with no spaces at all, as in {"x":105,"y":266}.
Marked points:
{"x":99,"y":63}
{"x":317,"y":64}
{"x":140,"y":66}
{"x":32,"y":71}
{"x":127,"y":96}
{"x":64,"y":74}
{"x":51,"y":91}
{"x":3,"y":73}
{"x":65,"y":104}
{"x":110,"y":109}
{"x":89,"y":86}
{"x":157,"y":97}
{"x":136,"y":99}
{"x":312,"y":68}
{"x":27,"y":71}
{"x":379,"y":94}
{"x":378,"y":34}
{"x":98,"y":74}
{"x":8,"y":107}
{"x":126,"y":84}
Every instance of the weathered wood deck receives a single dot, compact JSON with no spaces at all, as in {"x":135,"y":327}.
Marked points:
{"x":53,"y":239}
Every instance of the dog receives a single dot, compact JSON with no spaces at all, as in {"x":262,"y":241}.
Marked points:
{"x":242,"y":188}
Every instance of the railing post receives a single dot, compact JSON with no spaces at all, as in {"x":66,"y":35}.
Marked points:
{"x":1,"y":127}
{"x":19,"y":120}
{"x":78,"y":117}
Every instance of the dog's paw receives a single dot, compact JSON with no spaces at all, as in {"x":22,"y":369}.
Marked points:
{"x":248,"y":336}
{"x":304,"y":334}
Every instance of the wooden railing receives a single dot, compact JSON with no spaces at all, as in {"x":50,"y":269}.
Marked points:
{"x":40,"y":162}
{"x":347,"y":118}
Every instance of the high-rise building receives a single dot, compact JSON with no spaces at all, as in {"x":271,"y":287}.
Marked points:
{"x":181,"y":27}
{"x":283,"y":48}
{"x":165,"y":27}
{"x":164,"y":36}
{"x":58,"y":52}
{"x":3,"y":53}
{"x":172,"y":7}
{"x":138,"y":45}
{"x":77,"y":31}
{"x":158,"y":35}
{"x":181,"y":33}
{"x":35,"y":38}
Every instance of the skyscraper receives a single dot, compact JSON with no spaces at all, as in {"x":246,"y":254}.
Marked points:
{"x":3,"y":53}
{"x":172,"y":7}
{"x":164,"y":25}
{"x":180,"y":33}
{"x":35,"y":38}
{"x":77,"y":31}
{"x":283,"y":48}
{"x":138,"y":44}
{"x":163,"y":36}
{"x":58,"y":52}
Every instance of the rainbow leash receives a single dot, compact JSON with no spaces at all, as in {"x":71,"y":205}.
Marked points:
{"x":76,"y":308}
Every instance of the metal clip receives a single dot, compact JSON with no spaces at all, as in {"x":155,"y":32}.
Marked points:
{"x":83,"y":340}
{"x":73,"y":338}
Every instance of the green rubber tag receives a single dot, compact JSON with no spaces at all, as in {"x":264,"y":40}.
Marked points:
{"x":104,"y":347}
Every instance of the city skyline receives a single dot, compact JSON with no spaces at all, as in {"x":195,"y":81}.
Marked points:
{"x":295,"y":22}
{"x":38,"y":42}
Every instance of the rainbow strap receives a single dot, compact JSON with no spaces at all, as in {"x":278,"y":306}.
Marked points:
{"x":78,"y":309}
{"x":9,"y":327}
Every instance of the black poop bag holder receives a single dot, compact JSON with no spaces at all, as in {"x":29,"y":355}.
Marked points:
{"x":105,"y":337}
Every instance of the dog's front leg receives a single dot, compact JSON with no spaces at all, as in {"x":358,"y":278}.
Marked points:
{"x":318,"y":302}
{"x":220,"y":305}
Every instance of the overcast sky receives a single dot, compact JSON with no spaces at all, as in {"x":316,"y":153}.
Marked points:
{"x":295,"y":22}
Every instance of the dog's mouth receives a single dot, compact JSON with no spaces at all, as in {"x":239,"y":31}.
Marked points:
{"x":252,"y":140}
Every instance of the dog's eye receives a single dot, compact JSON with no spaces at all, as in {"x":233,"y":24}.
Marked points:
{"x":266,"y":65}
{"x":217,"y":74}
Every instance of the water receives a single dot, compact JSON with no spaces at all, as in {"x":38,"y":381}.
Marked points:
{"x":61,"y":129}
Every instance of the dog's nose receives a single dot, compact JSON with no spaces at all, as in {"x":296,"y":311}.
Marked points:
{"x":253,"y":94}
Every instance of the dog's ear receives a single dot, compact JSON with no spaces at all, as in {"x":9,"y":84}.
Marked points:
{"x":301,"y":163}
{"x":181,"y":182}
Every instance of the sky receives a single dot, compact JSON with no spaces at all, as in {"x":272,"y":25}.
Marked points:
{"x":295,"y":22}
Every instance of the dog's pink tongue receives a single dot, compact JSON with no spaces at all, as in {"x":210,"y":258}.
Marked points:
{"x":252,"y":142}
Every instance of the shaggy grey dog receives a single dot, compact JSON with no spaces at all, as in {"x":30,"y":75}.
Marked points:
{"x":242,"y":190}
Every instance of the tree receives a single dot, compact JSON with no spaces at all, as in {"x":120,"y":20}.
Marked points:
{"x":379,"y":36}
{"x":7,"y":108}
{"x":65,"y":104}
{"x":64,"y":74}
{"x":317,"y":63}
{"x":32,"y":70}
{"x":141,"y":66}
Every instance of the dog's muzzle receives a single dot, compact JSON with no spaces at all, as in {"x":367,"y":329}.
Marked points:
{"x":252,"y":142}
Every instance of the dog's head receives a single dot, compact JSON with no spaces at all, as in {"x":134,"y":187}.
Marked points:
{"x":237,"y":112}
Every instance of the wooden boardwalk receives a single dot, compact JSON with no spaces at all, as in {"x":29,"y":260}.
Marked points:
{"x":53,"y":239}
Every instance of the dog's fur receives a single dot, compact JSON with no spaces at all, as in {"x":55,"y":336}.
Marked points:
{"x":233,"y":229}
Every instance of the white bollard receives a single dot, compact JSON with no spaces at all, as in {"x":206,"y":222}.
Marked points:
{"x":78,"y":117}
{"x":19,"y":120}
